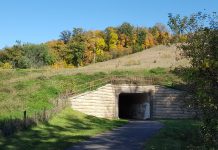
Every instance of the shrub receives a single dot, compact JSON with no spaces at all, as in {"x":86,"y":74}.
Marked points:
{"x":103,"y":56}
{"x":24,"y":63}
{"x":61,"y":64}
{"x":7,"y":65}
{"x":137,"y":48}
{"x":37,"y":55}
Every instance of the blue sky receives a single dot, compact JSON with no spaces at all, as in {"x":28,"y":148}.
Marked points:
{"x":37,"y":21}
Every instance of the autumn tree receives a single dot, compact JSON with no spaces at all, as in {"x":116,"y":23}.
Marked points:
{"x":14,"y":54}
{"x":111,"y":38}
{"x":59,"y":51}
{"x":99,"y":49}
{"x":162,"y":34}
{"x":149,"y":41}
{"x":96,"y":44}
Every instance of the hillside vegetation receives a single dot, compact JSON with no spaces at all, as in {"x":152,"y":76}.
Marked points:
{"x":159,"y":56}
{"x":79,"y":47}
{"x":35,"y":93}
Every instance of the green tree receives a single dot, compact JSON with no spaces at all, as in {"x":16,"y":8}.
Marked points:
{"x":65,"y":36}
{"x":178,"y":25}
{"x":77,"y":32}
{"x":77,"y":46}
{"x":201,"y":49}
{"x":36,"y":55}
{"x":3,"y":56}
{"x":77,"y":49}
{"x":126,"y":30}
{"x":141,"y":35}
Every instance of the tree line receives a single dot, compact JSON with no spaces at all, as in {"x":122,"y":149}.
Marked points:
{"x":79,"y":47}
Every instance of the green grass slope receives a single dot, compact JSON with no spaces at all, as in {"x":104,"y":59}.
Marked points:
{"x":36,"y":94}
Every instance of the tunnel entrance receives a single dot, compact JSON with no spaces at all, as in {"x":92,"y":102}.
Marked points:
{"x":134,"y":106}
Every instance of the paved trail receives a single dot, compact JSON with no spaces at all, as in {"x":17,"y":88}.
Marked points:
{"x":129,"y":137}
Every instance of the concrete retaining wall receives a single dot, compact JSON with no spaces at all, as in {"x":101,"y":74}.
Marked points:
{"x":103,"y":102}
{"x":168,"y":103}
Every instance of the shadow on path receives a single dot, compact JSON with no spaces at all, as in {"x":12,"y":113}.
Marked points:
{"x":129,"y":137}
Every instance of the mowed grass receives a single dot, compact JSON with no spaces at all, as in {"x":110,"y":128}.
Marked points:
{"x":20,"y":90}
{"x":61,"y":132}
{"x":177,"y":135}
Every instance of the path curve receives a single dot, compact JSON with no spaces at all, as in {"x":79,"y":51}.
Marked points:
{"x":131,"y":136}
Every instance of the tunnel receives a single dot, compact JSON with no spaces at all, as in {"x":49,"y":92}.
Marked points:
{"x":134,"y":106}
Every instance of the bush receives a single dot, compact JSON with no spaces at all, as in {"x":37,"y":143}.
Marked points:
{"x":137,"y":48}
{"x":103,"y":57}
{"x":36,"y":56}
{"x":61,"y":64}
{"x":24,"y":63}
{"x":7,"y":65}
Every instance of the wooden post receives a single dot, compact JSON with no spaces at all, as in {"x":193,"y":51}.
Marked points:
{"x":111,"y":79}
{"x":25,"y":119}
{"x":57,"y":102}
{"x":36,"y":119}
{"x":44,"y":114}
{"x":90,"y":86}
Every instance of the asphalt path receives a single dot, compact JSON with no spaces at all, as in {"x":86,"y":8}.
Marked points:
{"x":131,"y":136}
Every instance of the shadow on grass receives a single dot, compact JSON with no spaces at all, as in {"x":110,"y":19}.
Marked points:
{"x":59,"y":133}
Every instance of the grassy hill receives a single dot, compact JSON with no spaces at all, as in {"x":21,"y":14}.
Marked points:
{"x":34,"y":89}
{"x":159,"y":56}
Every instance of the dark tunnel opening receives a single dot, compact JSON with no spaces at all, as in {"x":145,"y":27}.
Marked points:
{"x":134,"y":106}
